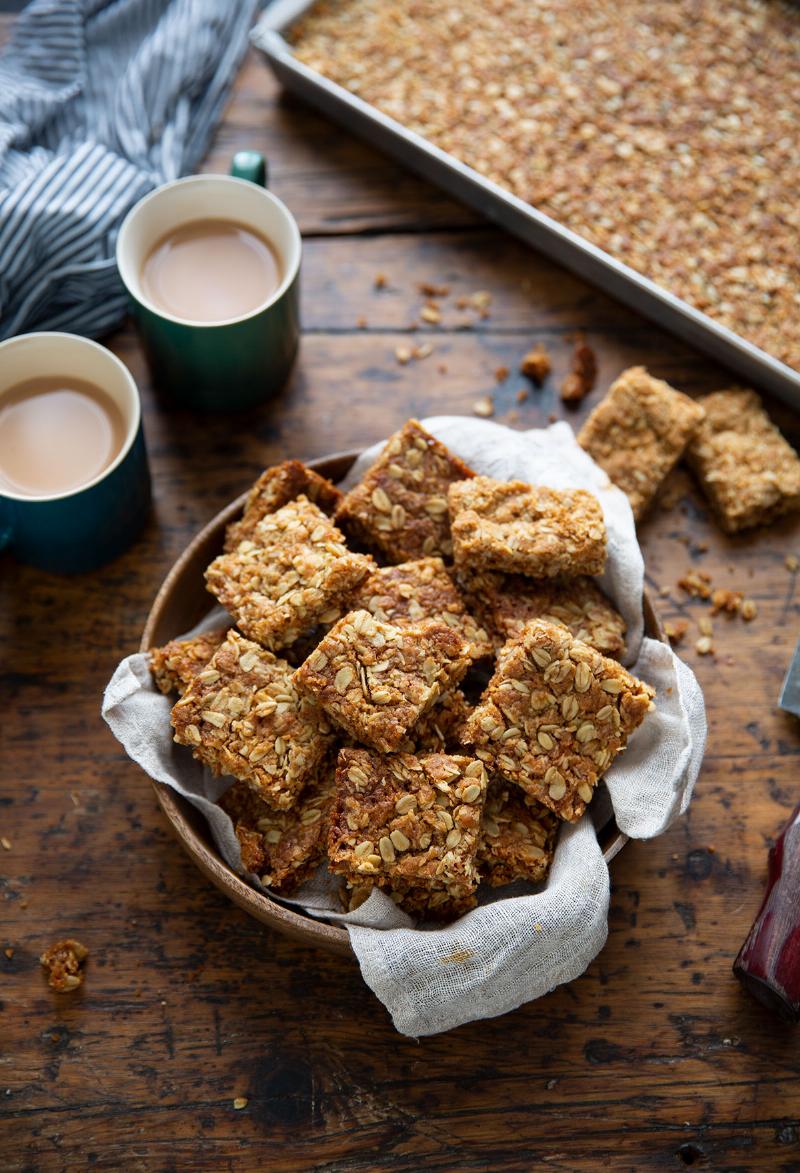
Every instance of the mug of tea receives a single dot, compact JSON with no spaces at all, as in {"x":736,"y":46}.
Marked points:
{"x":74,"y":481}
{"x":212,"y":267}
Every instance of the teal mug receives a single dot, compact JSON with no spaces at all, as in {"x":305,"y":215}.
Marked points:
{"x":233,"y":364}
{"x":81,"y":528}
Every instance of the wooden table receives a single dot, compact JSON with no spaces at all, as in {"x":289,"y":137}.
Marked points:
{"x":654,"y":1059}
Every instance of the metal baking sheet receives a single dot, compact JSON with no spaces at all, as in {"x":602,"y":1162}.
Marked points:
{"x":755,"y":366}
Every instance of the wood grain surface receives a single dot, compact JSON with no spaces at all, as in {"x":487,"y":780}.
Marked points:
{"x":654,"y":1059}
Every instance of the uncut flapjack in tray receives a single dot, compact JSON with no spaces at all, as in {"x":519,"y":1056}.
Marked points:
{"x":419,"y":681}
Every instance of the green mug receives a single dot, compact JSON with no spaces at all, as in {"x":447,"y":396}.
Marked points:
{"x":80,"y":529}
{"x":233,"y":364}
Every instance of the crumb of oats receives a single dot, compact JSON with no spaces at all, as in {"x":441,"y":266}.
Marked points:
{"x":484,"y":406}
{"x":675,"y":630}
{"x":664,"y":591}
{"x":704,"y":646}
{"x":380,"y":281}
{"x":429,"y":289}
{"x":513,"y":416}
{"x":725,"y":600}
{"x":701,"y":547}
{"x":522,"y":394}
{"x":64,"y":963}
{"x":480,"y":301}
{"x":696,"y":583}
{"x":583,"y":373}
{"x":361,"y":322}
{"x":791,"y":563}
{"x":705,"y":625}
{"x":431,"y":313}
{"x":536,"y":365}
{"x":9,"y":952}
{"x":749,"y":610}
{"x":442,"y":368}
{"x":240,"y":1102}
{"x":5,"y":843}
{"x":402,"y":354}
{"x":423,"y":351}
{"x":501,"y":374}
{"x":552,"y":417}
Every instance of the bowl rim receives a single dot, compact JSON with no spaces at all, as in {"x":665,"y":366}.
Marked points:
{"x":268,"y":909}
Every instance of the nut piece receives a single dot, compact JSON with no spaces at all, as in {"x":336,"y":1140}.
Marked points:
{"x":413,"y":473}
{"x":554,"y":716}
{"x":244,"y":717}
{"x":176,"y":664}
{"x":512,"y":526}
{"x":295,"y":573}
{"x":376,"y":679}
{"x":749,"y":473}
{"x":517,"y":837}
{"x":638,"y":433}
{"x":410,"y":825}
{"x":506,"y":602}
{"x":64,"y":963}
{"x":276,"y":487}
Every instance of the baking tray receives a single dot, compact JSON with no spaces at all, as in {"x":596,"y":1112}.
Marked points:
{"x":755,"y":366}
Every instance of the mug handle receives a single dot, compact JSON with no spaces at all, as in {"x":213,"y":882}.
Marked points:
{"x":250,"y":165}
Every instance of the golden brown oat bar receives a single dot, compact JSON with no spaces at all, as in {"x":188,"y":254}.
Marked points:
{"x":421,"y":590}
{"x":243,"y":716}
{"x":528,"y":529}
{"x":176,"y":664}
{"x":275,"y":488}
{"x":296,"y":573}
{"x":284,"y":848}
{"x":749,"y":473}
{"x":555,"y":715}
{"x":517,"y":840}
{"x":376,"y":680}
{"x":410,"y":825}
{"x":439,"y":730}
{"x":506,"y":602}
{"x":400,"y":507}
{"x":638,"y":433}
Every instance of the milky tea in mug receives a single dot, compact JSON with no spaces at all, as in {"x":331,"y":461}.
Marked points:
{"x":57,"y":433}
{"x":209,"y":271}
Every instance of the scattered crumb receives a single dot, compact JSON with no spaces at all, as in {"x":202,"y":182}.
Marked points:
{"x":422,"y":351}
{"x":749,"y":610}
{"x":676,"y":630}
{"x":701,"y":547}
{"x":725,"y":600}
{"x":380,"y":281}
{"x":582,"y":375}
{"x":711,"y":849}
{"x":664,"y":591}
{"x":9,"y":952}
{"x":481,"y":300}
{"x":552,"y":417}
{"x":428,"y":289}
{"x":704,"y":646}
{"x":551,"y":1083}
{"x":484,"y":407}
{"x":5,"y":843}
{"x":240,"y":1102}
{"x":76,"y":801}
{"x":442,"y":368}
{"x":501,"y":374}
{"x":522,"y":394}
{"x":536,"y":365}
{"x":64,"y":963}
{"x":696,"y":583}
{"x":431,"y":313}
{"x":361,"y":322}
{"x":402,"y":354}
{"x":513,"y":416}
{"x":791,"y":563}
{"x":705,"y":625}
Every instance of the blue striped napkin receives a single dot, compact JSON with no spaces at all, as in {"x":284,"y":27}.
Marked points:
{"x":100,"y":101}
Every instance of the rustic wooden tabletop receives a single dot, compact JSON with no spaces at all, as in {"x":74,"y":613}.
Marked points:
{"x":654,"y":1059}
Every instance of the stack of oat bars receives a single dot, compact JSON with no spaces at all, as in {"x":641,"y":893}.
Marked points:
{"x":420,"y":681}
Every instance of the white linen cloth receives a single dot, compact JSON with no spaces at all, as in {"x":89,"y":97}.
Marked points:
{"x":522,"y":941}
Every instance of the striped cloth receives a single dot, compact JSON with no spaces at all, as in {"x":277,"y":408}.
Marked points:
{"x":100,"y":101}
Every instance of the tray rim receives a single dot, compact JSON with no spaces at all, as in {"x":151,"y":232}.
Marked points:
{"x":181,"y":815}
{"x":524,"y":220}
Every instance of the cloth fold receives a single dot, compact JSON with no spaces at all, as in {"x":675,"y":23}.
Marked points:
{"x":100,"y":101}
{"x":521,"y":941}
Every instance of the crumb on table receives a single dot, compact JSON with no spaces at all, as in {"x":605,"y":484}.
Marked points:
{"x":64,"y":963}
{"x":582,"y":373}
{"x":276,"y":487}
{"x":535,"y":365}
{"x":176,"y":664}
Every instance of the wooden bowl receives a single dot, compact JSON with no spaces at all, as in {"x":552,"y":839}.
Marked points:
{"x":182,"y":602}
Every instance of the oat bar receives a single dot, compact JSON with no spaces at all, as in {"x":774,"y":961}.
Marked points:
{"x":176,"y":664}
{"x":410,"y":825}
{"x":243,"y":716}
{"x":421,"y":590}
{"x":528,"y":529}
{"x":555,"y":715}
{"x":285,"y":847}
{"x":517,"y":838}
{"x":295,"y":573}
{"x":749,"y":473}
{"x":400,"y":507}
{"x":275,"y":488}
{"x":504,"y":603}
{"x":638,"y":433}
{"x":376,"y":680}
